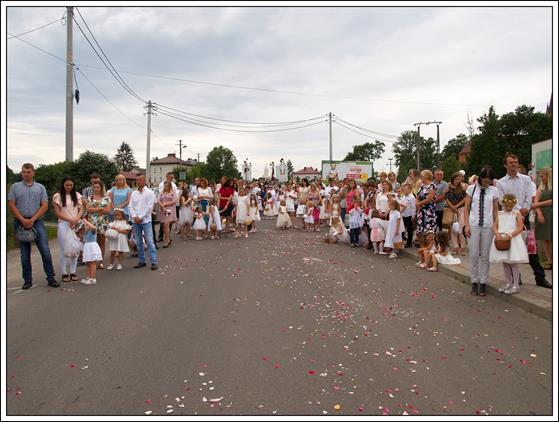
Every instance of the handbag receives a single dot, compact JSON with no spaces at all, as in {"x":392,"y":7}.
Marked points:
{"x":448,"y":217}
{"x":502,"y":244}
{"x":72,"y":245}
{"x":26,"y":235}
{"x":111,"y":234}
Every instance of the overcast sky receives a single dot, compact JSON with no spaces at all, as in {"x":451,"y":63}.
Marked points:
{"x":391,"y":61}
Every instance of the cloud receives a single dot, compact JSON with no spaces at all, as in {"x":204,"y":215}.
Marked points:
{"x":472,"y":57}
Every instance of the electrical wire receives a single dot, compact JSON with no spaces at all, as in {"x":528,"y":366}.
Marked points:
{"x":106,"y":98}
{"x":37,"y":48}
{"x":187,"y":120}
{"x":362,"y":134}
{"x":268,"y":124}
{"x":366,"y":130}
{"x":124,"y":85}
{"x":36,"y":29}
{"x":106,"y":57}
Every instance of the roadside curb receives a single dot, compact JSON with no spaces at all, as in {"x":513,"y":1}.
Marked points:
{"x":523,"y":302}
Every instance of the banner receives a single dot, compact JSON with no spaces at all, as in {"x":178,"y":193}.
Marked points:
{"x":339,"y":170}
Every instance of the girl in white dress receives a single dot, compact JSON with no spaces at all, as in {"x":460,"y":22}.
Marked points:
{"x":269,"y":207}
{"x":324,"y":209}
{"x":253,"y":212}
{"x":393,"y":238}
{"x":309,"y":219}
{"x":334,"y":208}
{"x":509,"y":224}
{"x":214,"y":223}
{"x":242,"y":219}
{"x":186,"y":214}
{"x":119,"y":245}
{"x":290,"y":203}
{"x":337,"y":233}
{"x":443,"y":255}
{"x":199,"y":223}
{"x":284,"y":220}
{"x":91,"y":252}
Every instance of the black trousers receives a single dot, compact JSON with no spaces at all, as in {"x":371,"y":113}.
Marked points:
{"x":370,"y":244}
{"x":354,"y":236}
{"x":408,"y":223}
{"x":539,"y":272}
{"x":440,"y":219}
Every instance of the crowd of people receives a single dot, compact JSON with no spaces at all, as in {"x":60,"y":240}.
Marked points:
{"x":491,"y":219}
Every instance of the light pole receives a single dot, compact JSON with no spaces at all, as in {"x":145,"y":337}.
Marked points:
{"x":181,"y":146}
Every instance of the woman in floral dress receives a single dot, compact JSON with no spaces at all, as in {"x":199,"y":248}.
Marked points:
{"x":98,"y":210}
{"x":425,"y":205}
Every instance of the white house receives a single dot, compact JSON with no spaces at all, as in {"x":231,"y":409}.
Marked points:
{"x":160,"y":167}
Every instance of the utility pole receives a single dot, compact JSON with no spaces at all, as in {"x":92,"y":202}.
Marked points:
{"x":330,"y":124}
{"x":198,"y":157}
{"x":390,"y":159}
{"x":180,"y":148}
{"x":418,"y":140}
{"x":69,"y":84}
{"x":149,"y":108}
{"x":438,"y":145}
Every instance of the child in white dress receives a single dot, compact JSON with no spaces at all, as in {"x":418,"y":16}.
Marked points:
{"x":337,"y":232}
{"x":393,"y":238}
{"x":324,"y":209}
{"x":309,"y":219}
{"x":119,"y":245}
{"x":334,"y":208}
{"x":253,"y":212}
{"x":242,"y":219}
{"x":377,"y":231}
{"x":91,"y":252}
{"x":284,"y":220}
{"x":186,"y":215}
{"x":509,"y":224}
{"x":199,"y":223}
{"x":442,"y":255}
{"x":269,"y":206}
{"x":214,"y":222}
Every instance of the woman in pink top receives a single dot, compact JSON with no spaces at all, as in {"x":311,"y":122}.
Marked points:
{"x":352,"y":194}
{"x":68,"y":208}
{"x":166,"y":213}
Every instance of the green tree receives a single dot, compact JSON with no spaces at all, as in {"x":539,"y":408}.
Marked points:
{"x":450,"y":165}
{"x":290,"y":169}
{"x":12,"y":177}
{"x":454,"y":146}
{"x":221,"y":162}
{"x":177,"y":173}
{"x":124,"y":158}
{"x":198,"y":170}
{"x":405,"y":153}
{"x":50,"y":175}
{"x":369,"y":151}
{"x":90,"y":162}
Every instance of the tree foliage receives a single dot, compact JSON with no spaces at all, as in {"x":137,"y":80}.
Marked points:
{"x":454,"y":146}
{"x":221,"y":162}
{"x":369,"y":151}
{"x":177,"y":173}
{"x":405,"y":153}
{"x":513,"y":132}
{"x":450,"y":165}
{"x":124,"y":158}
{"x":290,"y":169}
{"x":12,"y":177}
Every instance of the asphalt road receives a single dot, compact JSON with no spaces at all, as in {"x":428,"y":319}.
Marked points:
{"x":278,"y":324}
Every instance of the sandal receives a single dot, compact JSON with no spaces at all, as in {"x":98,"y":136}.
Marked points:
{"x":74,"y":277}
{"x":100,"y":267}
{"x":548,"y":267}
{"x":65,"y":278}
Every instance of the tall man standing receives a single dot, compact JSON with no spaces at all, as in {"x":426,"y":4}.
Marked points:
{"x":28,"y":202}
{"x":442,"y":188}
{"x":141,"y":205}
{"x":520,"y":185}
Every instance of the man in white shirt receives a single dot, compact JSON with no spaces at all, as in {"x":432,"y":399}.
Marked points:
{"x":141,"y":205}
{"x":521,"y":186}
{"x":408,"y":214}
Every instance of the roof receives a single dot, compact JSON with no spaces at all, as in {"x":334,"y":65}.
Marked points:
{"x":132,"y":174}
{"x":466,"y":149}
{"x":172,"y":159}
{"x":306,"y":170}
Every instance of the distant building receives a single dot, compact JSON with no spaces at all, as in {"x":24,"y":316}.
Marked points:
{"x":308,"y":173}
{"x":160,"y":167}
{"x":465,"y":153}
{"x":132,"y":175}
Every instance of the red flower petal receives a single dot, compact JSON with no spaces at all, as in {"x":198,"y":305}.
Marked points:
{"x":312,"y":372}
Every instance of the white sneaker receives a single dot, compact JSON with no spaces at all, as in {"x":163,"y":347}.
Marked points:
{"x":512,"y":290}
{"x":85,"y":281}
{"x":504,"y":288}
{"x":92,"y":281}
{"x":110,"y":267}
{"x":381,"y":252}
{"x":119,"y":267}
{"x":392,"y":256}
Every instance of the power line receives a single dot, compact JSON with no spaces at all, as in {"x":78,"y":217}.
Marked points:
{"x":117,"y":78}
{"x":187,"y":120}
{"x":362,"y":134}
{"x":244,"y":125}
{"x":37,"y":48}
{"x":366,"y":130}
{"x":106,"y":98}
{"x":36,"y":29}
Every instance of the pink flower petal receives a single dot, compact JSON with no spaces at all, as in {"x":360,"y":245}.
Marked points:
{"x":311,"y":372}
